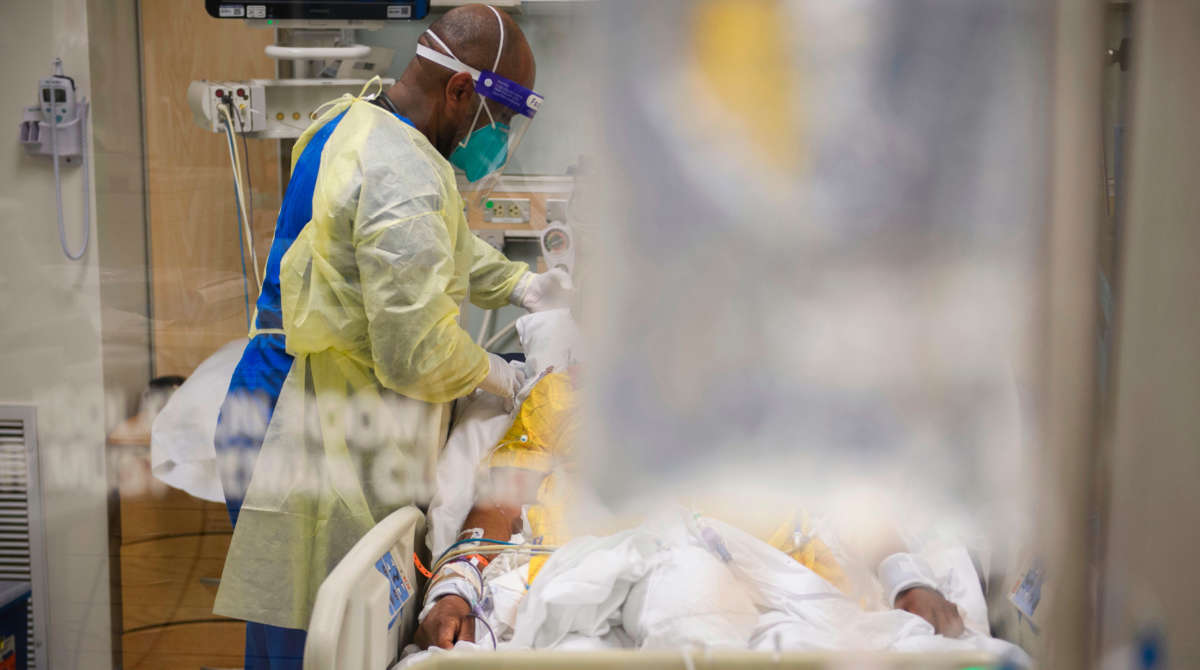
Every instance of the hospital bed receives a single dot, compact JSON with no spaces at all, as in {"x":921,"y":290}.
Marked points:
{"x":366,"y":608}
{"x":354,"y":627}
{"x":701,"y":660}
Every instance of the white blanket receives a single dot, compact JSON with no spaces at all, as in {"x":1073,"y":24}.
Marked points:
{"x":679,"y":582}
{"x":699,"y":582}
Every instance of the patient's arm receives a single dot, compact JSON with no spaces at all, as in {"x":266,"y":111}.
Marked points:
{"x":448,"y":622}
{"x":879,"y":542}
{"x":497,"y":521}
{"x":929,"y":604}
{"x":450,"y":619}
{"x":499,"y":518}
{"x":498,"y":515}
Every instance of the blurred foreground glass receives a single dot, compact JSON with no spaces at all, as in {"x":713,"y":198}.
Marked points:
{"x":817,"y":227}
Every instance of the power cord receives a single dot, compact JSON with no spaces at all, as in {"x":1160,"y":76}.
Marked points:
{"x":235,"y":160}
{"x":241,"y":215}
{"x":87,"y":199}
{"x":249,"y":181}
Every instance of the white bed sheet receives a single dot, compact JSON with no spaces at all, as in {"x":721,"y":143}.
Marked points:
{"x":627,"y":589}
{"x":665,"y":584}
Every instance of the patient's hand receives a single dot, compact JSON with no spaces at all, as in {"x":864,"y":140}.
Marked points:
{"x":448,"y":622}
{"x":932,"y":607}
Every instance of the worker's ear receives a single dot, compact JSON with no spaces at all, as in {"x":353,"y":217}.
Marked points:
{"x":459,"y":89}
{"x":460,"y":110}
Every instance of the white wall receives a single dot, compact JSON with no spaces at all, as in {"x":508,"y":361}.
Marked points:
{"x":50,"y":337}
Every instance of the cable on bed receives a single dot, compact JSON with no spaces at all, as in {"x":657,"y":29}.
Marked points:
{"x":453,"y":553}
{"x":478,"y":614}
{"x":475,"y":539}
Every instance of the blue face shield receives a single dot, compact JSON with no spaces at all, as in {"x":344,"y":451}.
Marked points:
{"x":484,"y":153}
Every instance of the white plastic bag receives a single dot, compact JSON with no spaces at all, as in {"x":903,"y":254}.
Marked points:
{"x":182,"y":449}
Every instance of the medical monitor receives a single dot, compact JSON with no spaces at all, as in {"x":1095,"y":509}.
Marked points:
{"x":319,"y":10}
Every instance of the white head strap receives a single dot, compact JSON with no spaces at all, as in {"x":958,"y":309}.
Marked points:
{"x":451,"y":62}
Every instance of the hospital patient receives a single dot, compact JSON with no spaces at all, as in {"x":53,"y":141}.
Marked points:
{"x":522,"y":472}
{"x":522,"y":502}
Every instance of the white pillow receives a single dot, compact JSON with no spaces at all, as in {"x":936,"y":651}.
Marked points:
{"x":182,"y":449}
{"x":479,"y":424}
{"x":549,"y":339}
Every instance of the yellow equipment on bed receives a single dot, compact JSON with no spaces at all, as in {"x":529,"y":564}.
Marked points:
{"x":540,"y":440}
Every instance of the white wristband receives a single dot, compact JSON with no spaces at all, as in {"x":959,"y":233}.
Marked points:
{"x":903,"y":571}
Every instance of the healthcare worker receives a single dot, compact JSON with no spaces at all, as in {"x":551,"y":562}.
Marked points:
{"x":339,"y":406}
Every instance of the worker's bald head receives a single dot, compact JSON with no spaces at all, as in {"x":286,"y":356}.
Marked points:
{"x":473,"y":34}
{"x":443,"y":103}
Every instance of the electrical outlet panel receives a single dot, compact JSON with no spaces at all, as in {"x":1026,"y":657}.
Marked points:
{"x":267,"y":108}
{"x":506,"y":210}
{"x":556,"y":210}
{"x":247,"y":101}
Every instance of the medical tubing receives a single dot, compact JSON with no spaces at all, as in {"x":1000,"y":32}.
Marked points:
{"x":483,"y":540}
{"x":478,"y":614}
{"x":244,"y":199}
{"x":87,"y":201}
{"x":236,"y":164}
{"x":237,"y":177}
{"x":475,"y":604}
{"x":227,"y":121}
{"x":245,"y":281}
{"x":243,"y":216}
{"x":249,"y":179}
{"x":249,"y":205}
{"x":452,"y":553}
{"x":531,"y":548}
{"x":241,"y":239}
